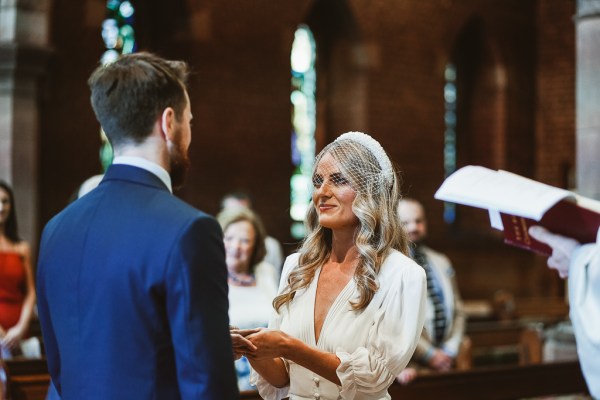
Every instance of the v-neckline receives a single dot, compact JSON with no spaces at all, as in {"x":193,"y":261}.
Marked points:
{"x":334,"y":305}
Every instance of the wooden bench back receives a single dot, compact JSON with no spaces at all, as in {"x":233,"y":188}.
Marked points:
{"x":27,"y":379}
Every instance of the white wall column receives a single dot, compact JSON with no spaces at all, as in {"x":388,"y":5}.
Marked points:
{"x":588,"y":98}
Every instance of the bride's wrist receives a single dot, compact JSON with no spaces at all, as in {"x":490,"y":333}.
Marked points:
{"x":288,"y":346}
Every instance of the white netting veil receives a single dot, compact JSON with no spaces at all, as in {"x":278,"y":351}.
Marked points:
{"x":387,"y":171}
{"x":361,"y":161}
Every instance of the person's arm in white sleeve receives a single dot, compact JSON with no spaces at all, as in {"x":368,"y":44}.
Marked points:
{"x":581,"y":264}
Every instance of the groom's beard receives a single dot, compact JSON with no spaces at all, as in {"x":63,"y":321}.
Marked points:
{"x":179,"y":163}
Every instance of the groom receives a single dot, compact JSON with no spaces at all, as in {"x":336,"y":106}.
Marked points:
{"x":132,"y":281}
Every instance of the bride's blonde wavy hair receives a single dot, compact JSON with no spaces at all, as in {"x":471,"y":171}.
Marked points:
{"x":377,"y":195}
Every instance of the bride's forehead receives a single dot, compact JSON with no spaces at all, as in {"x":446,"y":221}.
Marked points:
{"x":327,"y":163}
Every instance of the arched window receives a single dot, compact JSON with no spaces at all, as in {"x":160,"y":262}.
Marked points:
{"x":303,"y":101}
{"x":117,"y":30}
{"x":450,"y":134}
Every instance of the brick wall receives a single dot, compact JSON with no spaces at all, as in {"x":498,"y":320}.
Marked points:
{"x":382,"y":72}
{"x":555,"y":93}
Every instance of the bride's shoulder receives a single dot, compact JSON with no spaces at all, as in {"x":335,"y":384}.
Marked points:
{"x":397,"y":264}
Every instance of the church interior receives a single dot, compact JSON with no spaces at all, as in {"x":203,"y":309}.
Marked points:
{"x":441,"y":84}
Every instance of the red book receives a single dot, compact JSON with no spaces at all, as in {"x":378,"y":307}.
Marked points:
{"x":515,"y":203}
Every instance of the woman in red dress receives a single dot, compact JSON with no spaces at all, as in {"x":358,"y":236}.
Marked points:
{"x":17,"y":290}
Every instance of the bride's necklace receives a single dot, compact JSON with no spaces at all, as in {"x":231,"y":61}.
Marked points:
{"x":246,"y":281}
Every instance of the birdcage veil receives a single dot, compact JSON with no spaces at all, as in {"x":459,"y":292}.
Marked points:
{"x":361,"y":160}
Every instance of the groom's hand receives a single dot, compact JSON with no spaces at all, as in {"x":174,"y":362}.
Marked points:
{"x":242,"y":346}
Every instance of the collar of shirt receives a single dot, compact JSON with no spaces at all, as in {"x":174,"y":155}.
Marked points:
{"x":150,"y":166}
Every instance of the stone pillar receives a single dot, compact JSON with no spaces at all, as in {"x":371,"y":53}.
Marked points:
{"x":588,"y":98}
{"x":23,"y":54}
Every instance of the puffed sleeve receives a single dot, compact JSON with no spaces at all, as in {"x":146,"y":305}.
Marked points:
{"x":392,"y":337}
{"x":265,"y":389}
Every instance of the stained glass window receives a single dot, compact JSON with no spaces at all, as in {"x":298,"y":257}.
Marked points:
{"x":117,"y":30}
{"x":303,"y":99}
{"x":119,"y":38}
{"x":450,"y":134}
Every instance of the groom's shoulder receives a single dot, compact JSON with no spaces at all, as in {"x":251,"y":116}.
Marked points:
{"x":179,"y":206}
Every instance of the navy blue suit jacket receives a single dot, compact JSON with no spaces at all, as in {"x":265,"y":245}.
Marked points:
{"x":132,"y":295}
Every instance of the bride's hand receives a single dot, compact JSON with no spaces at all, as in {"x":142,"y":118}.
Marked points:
{"x":269,"y":343}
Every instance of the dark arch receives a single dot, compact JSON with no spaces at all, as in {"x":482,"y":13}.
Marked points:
{"x":151,"y":14}
{"x":481,"y":101}
{"x":480,"y":112}
{"x":341,"y":82}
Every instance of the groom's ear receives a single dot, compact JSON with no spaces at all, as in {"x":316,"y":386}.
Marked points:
{"x":167,"y":123}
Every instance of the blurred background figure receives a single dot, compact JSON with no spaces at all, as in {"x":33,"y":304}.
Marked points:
{"x":17,"y":290}
{"x":106,"y":158}
{"x":581,"y":264}
{"x":252,"y":280}
{"x":444,"y":319}
{"x":274,"y":250}
{"x":88,"y":185}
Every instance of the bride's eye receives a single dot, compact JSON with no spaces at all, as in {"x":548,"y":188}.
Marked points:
{"x":317,"y":181}
{"x":339,"y":179}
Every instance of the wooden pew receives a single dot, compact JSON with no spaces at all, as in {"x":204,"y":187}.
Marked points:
{"x":505,"y":307}
{"x":492,"y":383}
{"x":505,"y":342}
{"x":28,"y":378}
{"x":496,"y":383}
{"x":250,"y":395}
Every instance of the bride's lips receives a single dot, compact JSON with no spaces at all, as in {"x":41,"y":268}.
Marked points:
{"x":325,"y":207}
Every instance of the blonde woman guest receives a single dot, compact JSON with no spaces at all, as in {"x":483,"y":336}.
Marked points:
{"x":274,"y":250}
{"x":252,"y":282}
{"x":350,"y":308}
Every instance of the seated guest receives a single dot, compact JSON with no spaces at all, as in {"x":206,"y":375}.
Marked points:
{"x":252,"y":282}
{"x":274,"y":250}
{"x":106,"y":159}
{"x":444,"y":319}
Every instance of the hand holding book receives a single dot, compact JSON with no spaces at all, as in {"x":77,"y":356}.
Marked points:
{"x":516,"y":203}
{"x":562,"y":248}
